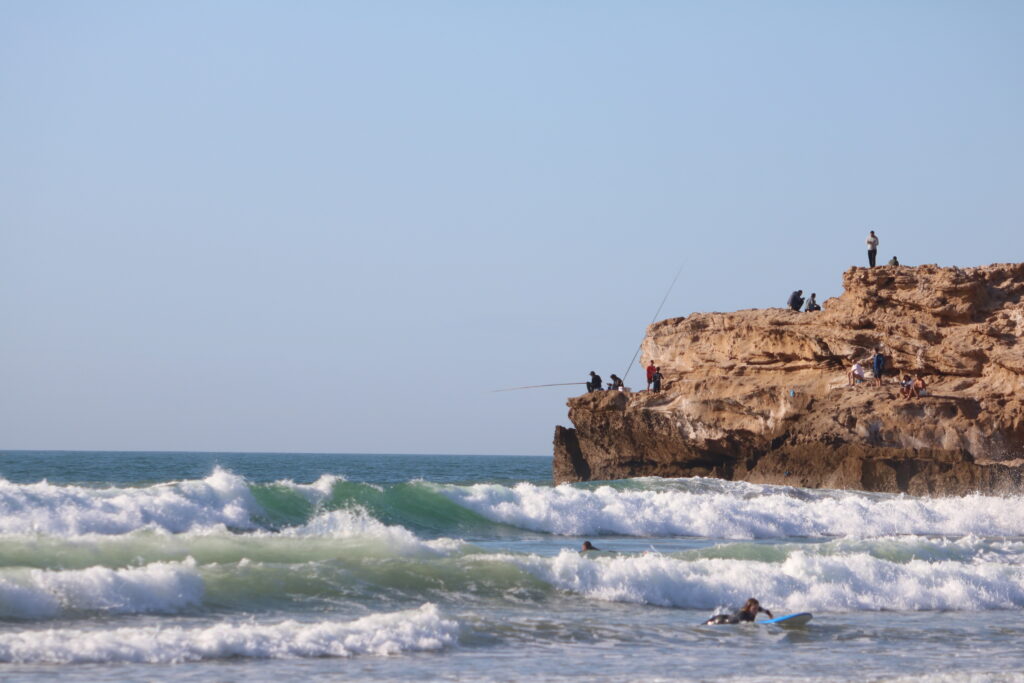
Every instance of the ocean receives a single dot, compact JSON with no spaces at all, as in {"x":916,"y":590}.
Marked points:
{"x":256,"y":567}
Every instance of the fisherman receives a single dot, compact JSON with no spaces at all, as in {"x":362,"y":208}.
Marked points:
{"x":796,"y":300}
{"x":656,"y":379}
{"x":894,"y":261}
{"x":595,"y":382}
{"x":872,"y":242}
{"x":812,"y":304}
{"x":748,"y":612}
{"x":650,"y":374}
{"x":616,"y":383}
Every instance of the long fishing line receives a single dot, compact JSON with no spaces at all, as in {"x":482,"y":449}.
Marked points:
{"x":656,"y":314}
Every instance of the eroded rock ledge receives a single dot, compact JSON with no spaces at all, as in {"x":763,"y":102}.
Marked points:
{"x":762,"y":396}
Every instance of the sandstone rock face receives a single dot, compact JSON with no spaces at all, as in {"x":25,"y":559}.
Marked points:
{"x":762,"y":395}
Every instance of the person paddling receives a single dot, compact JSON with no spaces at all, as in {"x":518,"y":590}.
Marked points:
{"x":748,"y":612}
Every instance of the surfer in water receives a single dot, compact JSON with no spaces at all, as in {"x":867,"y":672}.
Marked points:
{"x":587,"y":547}
{"x":746,"y":613}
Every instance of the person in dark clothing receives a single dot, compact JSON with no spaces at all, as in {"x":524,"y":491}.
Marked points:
{"x":595,"y":382}
{"x":587,"y":547}
{"x":656,"y":379}
{"x":796,"y":300}
{"x":894,"y":261}
{"x":616,"y":383}
{"x":650,"y":374}
{"x":878,"y":366}
{"x":812,"y":304}
{"x":748,"y":612}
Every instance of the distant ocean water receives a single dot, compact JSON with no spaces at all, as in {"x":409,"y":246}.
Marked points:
{"x":232,"y":567}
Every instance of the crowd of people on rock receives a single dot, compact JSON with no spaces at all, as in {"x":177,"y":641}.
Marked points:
{"x":796,"y":299}
{"x":910,"y":387}
{"x":654,"y":379}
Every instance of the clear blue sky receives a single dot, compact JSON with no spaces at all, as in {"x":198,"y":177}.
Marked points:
{"x":335,"y":226}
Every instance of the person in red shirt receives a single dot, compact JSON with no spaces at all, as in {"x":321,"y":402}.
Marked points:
{"x":650,"y":374}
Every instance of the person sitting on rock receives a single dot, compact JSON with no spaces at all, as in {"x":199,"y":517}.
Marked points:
{"x":906,"y":386}
{"x":812,"y":304}
{"x":894,"y":261}
{"x":856,"y":373}
{"x":656,"y":379}
{"x":917,"y":389}
{"x":616,"y":383}
{"x":796,"y":300}
{"x":747,"y":613}
{"x":595,"y":382}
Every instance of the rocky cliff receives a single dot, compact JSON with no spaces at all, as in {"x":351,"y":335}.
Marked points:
{"x":762,"y":395}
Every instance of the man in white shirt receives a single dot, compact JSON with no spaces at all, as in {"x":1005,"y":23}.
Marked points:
{"x":872,"y":242}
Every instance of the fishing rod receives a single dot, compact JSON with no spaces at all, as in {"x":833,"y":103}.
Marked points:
{"x":656,"y":314}
{"x":537,"y":386}
{"x":625,"y":374}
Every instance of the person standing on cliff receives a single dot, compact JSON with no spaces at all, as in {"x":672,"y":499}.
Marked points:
{"x":656,"y":379}
{"x":878,"y":366}
{"x":872,"y":242}
{"x":650,"y":374}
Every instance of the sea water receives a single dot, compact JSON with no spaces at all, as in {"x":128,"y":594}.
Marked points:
{"x":252,"y":567}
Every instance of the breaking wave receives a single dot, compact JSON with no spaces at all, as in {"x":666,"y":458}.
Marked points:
{"x":415,"y":630}
{"x":648,"y":507}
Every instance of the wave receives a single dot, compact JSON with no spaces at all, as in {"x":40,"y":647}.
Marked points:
{"x":334,"y":507}
{"x":161,"y":587}
{"x":220,"y":500}
{"x":421,"y":629}
{"x":227,"y":501}
{"x":695,"y":507}
{"x":802,"y":581}
{"x":899,"y":573}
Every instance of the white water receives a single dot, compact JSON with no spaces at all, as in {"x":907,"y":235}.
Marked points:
{"x":378,"y":634}
{"x":216,"y":568}
{"x":741,"y":512}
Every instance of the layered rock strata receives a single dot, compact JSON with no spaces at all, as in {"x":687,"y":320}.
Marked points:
{"x":762,"y":395}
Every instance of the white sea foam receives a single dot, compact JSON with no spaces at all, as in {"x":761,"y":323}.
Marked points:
{"x":160,"y":587}
{"x":316,"y":492}
{"x":736,"y":511}
{"x":221,"y":499}
{"x":379,"y":634}
{"x":357,"y":523}
{"x":804,"y":581}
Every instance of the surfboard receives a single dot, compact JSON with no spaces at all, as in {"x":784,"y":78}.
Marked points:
{"x":798,"y":619}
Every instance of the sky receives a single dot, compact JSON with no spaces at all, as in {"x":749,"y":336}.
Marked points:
{"x":330,"y":226}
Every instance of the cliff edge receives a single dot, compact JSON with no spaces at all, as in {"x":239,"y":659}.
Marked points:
{"x":762,"y":395}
